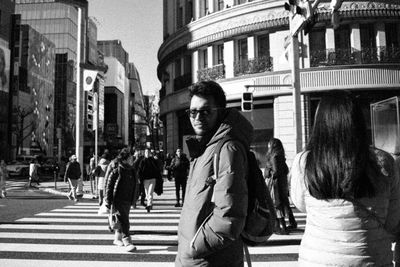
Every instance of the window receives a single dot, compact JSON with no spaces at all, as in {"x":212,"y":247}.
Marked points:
{"x":367,"y":34}
{"x":220,"y":54}
{"x":342,"y":37}
{"x":203,"y":58}
{"x":220,"y":5}
{"x":392,"y":38}
{"x":179,"y":18}
{"x":263,"y":46}
{"x":204,"y":7}
{"x":189,"y":12}
{"x":242,"y":49}
{"x":178,"y":68}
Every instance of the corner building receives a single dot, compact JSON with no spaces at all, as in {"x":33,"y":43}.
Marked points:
{"x":241,"y":42}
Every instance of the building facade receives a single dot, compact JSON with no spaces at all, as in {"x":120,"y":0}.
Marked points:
{"x":58,"y":22}
{"x":240,"y":43}
{"x":33,"y":104}
{"x":6,"y":10}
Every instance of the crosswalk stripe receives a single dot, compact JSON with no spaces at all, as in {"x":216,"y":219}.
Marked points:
{"x":77,"y":235}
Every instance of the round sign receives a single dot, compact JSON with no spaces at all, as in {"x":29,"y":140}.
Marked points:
{"x":89,"y":80}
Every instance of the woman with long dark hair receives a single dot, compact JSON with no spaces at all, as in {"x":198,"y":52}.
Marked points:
{"x":275,"y":175}
{"x":349,"y":191}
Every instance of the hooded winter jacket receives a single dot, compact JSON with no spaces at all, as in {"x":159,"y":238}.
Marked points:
{"x":340,"y":232}
{"x":213,"y":216}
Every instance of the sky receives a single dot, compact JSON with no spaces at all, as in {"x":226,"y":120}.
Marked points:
{"x":138,"y":24}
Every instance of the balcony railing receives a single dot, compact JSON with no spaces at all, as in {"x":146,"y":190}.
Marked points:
{"x":332,"y":57}
{"x":256,"y":65}
{"x":214,"y":73}
{"x":182,"y":81}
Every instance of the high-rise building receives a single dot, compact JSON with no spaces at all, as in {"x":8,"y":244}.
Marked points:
{"x":57,"y":20}
{"x":242,"y":43}
{"x":33,"y":100}
{"x":6,"y":10}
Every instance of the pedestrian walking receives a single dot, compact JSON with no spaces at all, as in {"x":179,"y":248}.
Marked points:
{"x":148,"y":171}
{"x":180,"y":170}
{"x":72,"y":174}
{"x":92,"y":177}
{"x":350,"y":192}
{"x":33,"y":172}
{"x":167,"y":164}
{"x":214,"y":213}
{"x":121,"y":188}
{"x":3,"y":179}
{"x":100,"y":173}
{"x":275,"y":175}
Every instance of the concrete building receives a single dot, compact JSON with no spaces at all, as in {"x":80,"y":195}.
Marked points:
{"x":241,"y":42}
{"x":6,"y":10}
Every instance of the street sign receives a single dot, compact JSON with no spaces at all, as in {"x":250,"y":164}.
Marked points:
{"x":296,"y":24}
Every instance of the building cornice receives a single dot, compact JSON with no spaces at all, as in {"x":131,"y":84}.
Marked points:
{"x":261,"y":15}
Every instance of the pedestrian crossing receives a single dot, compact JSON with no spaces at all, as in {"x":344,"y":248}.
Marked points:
{"x":76,"y":235}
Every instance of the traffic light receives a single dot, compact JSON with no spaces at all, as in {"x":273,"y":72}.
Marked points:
{"x":293,"y":6}
{"x":247,"y":102}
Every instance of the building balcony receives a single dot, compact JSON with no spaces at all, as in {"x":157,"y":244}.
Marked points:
{"x":182,"y":81}
{"x":256,"y":65}
{"x":214,"y":73}
{"x":350,"y":56}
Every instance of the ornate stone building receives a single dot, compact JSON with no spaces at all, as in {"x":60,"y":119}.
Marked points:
{"x":242,"y":42}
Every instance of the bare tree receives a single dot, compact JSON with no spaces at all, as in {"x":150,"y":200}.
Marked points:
{"x":22,"y":113}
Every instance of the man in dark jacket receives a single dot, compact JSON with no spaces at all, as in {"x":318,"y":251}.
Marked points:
{"x":73,"y":173}
{"x":180,"y":167}
{"x":148,"y":172}
{"x":121,"y":194}
{"x":214,"y":213}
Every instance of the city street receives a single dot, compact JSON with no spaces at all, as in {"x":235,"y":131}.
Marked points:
{"x":40,"y":229}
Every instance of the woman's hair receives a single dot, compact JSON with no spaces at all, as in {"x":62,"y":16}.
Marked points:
{"x":123,"y":155}
{"x":275,"y":147}
{"x":336,"y":165}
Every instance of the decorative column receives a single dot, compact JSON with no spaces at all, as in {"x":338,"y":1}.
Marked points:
{"x":229,"y":56}
{"x":355,"y":41}
{"x":195,"y":65}
{"x":250,"y":48}
{"x":210,"y":60}
{"x":380,"y":40}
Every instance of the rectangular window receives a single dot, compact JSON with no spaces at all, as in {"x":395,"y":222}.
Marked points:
{"x":342,"y":37}
{"x":263,"y":46}
{"x":220,"y":54}
{"x":242,"y":49}
{"x":367,"y":34}
{"x":205,"y":58}
{"x":179,"y":18}
{"x":189,"y":12}
{"x":220,"y":5}
{"x":178,"y":68}
{"x":392,"y":38}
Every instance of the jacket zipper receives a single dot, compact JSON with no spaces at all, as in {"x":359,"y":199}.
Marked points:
{"x":198,"y":230}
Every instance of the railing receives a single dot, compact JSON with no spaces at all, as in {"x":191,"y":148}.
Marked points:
{"x":214,"y":73}
{"x":256,"y":65}
{"x":182,"y":81}
{"x":331,"y":57}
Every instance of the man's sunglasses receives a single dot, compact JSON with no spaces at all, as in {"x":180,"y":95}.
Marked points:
{"x":203,"y":112}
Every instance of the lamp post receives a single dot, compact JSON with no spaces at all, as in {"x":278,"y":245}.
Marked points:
{"x":78,"y":131}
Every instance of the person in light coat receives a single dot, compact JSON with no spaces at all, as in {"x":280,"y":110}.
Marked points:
{"x":350,"y":192}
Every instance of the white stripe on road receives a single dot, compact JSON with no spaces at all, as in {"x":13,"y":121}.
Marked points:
{"x":131,"y":215}
{"x":64,"y":263}
{"x":89,"y":220}
{"x":72,"y":227}
{"x":72,"y":236}
{"x":111,"y":249}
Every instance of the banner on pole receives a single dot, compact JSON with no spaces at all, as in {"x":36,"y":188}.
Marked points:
{"x":89,"y":76}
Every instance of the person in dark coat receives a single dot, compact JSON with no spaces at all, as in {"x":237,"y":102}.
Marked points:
{"x":148,"y":171}
{"x":121,"y":195}
{"x":180,"y":170}
{"x":72,"y":174}
{"x":275,"y":175}
{"x":167,"y":164}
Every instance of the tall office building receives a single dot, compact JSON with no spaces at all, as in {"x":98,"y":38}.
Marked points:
{"x":57,"y":20}
{"x":242,"y":42}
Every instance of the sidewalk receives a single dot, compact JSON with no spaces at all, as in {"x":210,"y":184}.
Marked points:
{"x":62,"y":188}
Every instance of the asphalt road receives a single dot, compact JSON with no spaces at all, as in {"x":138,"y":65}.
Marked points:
{"x":22,"y":202}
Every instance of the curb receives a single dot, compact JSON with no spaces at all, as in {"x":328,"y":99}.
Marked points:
{"x":60,"y":193}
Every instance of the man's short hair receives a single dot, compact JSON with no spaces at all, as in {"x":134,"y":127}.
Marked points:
{"x":209,"y":89}
{"x":123,"y":154}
